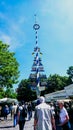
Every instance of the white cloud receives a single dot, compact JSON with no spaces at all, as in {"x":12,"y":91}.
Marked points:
{"x":16,"y":24}
{"x":10,"y":40}
{"x":58,"y":16}
{"x":5,"y":38}
{"x":59,"y":10}
{"x":53,"y":6}
{"x":22,"y":20}
{"x":13,"y":32}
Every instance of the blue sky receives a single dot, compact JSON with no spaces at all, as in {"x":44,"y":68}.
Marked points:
{"x":55,"y":37}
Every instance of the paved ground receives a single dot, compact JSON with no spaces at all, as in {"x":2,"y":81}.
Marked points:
{"x":8,"y":125}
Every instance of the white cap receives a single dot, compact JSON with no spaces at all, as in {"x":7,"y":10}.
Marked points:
{"x":41,"y":99}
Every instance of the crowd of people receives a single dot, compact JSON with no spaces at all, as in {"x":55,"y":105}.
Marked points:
{"x":18,"y":112}
{"x":47,"y":116}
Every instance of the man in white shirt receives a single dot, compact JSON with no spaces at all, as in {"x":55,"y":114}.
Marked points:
{"x":43,"y":117}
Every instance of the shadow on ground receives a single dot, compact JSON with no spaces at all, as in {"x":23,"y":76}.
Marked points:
{"x":6,"y":127}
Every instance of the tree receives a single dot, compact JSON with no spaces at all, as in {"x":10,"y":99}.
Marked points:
{"x":8,"y":67}
{"x":2,"y":93}
{"x":56,"y":82}
{"x":9,"y":92}
{"x":24,"y":91}
{"x":70,"y":72}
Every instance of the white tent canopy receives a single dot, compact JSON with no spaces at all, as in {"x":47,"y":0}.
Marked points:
{"x":62,"y":94}
{"x":8,"y":100}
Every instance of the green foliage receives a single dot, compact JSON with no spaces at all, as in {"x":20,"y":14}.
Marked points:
{"x":56,"y":82}
{"x":9,"y":92}
{"x":24,"y":92}
{"x":8,"y":67}
{"x":2,"y":93}
{"x":70,"y":72}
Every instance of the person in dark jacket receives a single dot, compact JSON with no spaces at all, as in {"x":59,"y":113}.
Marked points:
{"x":29,"y":111}
{"x":21,"y":116}
{"x":6,"y":111}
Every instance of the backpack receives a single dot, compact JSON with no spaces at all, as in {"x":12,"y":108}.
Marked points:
{"x":22,"y":115}
{"x":24,"y":112}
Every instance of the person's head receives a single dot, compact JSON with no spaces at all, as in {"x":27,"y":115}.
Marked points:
{"x":61,"y":104}
{"x":41,"y":99}
{"x":20,"y":104}
{"x":51,"y":104}
{"x":6,"y":106}
{"x":12,"y":103}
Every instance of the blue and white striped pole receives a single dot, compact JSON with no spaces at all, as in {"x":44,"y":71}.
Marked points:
{"x":37,"y":70}
{"x":36,"y":27}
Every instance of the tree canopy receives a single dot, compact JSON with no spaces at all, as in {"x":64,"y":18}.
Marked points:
{"x":24,"y":92}
{"x":70,"y":72}
{"x":9,"y":72}
{"x":8,"y":92}
{"x":56,"y":82}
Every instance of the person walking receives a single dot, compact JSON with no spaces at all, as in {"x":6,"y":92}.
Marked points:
{"x":43,"y":116}
{"x":14,"y":113}
{"x":64,"y":117}
{"x":29,"y":108}
{"x":22,"y":114}
{"x":6,"y":111}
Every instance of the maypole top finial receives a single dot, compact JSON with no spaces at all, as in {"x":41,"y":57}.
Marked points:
{"x":35,"y":18}
{"x":36,"y":26}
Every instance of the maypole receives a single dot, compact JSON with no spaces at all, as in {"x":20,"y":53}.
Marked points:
{"x":37,"y":66}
